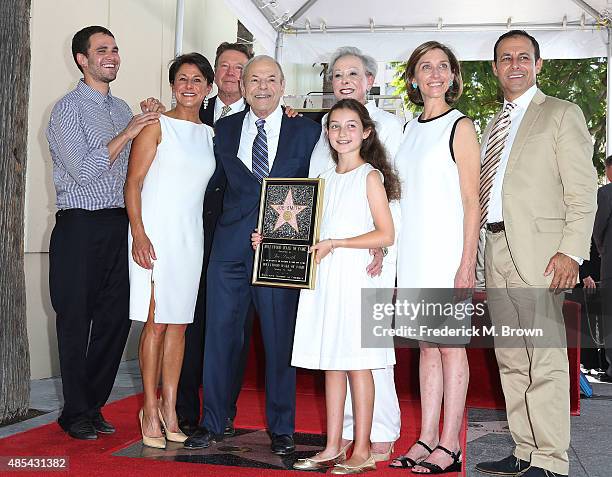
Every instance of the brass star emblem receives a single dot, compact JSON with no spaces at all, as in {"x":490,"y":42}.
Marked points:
{"x":287,"y":212}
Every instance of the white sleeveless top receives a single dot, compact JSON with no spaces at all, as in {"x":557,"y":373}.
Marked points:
{"x":172,"y":196}
{"x":431,"y":238}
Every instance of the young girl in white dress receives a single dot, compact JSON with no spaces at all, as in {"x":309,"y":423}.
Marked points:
{"x":356,"y":218}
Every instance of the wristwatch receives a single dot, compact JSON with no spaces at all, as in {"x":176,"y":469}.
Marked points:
{"x":385,"y":251}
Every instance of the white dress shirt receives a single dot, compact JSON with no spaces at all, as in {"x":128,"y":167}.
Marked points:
{"x":249,"y":131}
{"x":516,"y":116}
{"x":235,"y":108}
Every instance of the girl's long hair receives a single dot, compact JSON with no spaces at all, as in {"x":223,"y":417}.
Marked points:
{"x":372,"y":150}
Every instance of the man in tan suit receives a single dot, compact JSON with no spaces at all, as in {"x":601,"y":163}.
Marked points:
{"x":538,"y":191}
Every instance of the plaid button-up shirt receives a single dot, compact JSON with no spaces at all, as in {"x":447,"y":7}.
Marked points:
{"x":81,"y":125}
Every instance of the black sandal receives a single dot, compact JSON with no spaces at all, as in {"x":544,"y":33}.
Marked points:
{"x":436,"y":469}
{"x":407,"y":462}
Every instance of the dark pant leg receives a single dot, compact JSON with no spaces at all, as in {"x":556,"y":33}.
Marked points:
{"x":110,"y":324}
{"x":277,"y":312}
{"x":606,"y":298}
{"x":188,"y":397}
{"x":242,"y":362}
{"x":69,"y":263}
{"x":228,"y":301}
{"x":188,"y":393}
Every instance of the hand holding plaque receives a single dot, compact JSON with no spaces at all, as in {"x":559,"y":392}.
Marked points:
{"x":289,"y":215}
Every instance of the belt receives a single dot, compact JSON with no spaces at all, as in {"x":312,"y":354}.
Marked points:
{"x":119,"y":211}
{"x":495,"y":227}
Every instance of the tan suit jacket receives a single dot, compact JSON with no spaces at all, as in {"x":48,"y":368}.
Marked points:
{"x":550,"y":187}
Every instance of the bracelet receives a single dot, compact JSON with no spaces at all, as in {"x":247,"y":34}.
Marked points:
{"x":385,"y":251}
{"x":332,"y":245}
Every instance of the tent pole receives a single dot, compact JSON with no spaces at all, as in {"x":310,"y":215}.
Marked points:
{"x":301,"y":11}
{"x":587,"y":8}
{"x":609,"y":97}
{"x":178,"y":30}
{"x":463,"y":27}
{"x":278,"y":48}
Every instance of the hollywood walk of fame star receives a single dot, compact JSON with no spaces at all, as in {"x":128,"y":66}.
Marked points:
{"x":483,"y":428}
{"x":287,"y":212}
{"x":249,"y":448}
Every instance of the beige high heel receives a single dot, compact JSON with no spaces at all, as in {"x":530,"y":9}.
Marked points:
{"x":171,"y":436}
{"x":155,"y":442}
{"x":385,"y":456}
{"x":365,"y":466}
{"x":312,"y":464}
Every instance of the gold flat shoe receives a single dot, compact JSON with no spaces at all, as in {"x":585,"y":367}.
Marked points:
{"x":155,"y":442}
{"x":312,"y":464}
{"x":384,"y":456}
{"x":366,"y":466}
{"x":171,"y":436}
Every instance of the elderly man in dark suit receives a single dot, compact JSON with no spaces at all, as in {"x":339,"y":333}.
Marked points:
{"x":602,"y":235}
{"x":249,"y":146}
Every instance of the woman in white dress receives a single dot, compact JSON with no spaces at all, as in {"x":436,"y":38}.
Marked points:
{"x":169,"y":167}
{"x":352,"y":74}
{"x":439,"y":165}
{"x":356,"y":218}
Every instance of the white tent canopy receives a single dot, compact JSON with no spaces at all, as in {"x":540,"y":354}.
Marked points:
{"x":307,"y":31}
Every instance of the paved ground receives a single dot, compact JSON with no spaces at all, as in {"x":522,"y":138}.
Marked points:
{"x":488,"y":437}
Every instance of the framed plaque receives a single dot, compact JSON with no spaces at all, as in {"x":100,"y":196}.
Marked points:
{"x":289,"y":216}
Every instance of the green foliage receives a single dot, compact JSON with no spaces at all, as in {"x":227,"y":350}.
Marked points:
{"x":580,"y":81}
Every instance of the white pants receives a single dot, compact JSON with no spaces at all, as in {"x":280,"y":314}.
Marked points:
{"x":387,"y":420}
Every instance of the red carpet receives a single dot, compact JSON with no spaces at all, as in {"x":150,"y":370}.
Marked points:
{"x":484,"y":389}
{"x":95,"y":458}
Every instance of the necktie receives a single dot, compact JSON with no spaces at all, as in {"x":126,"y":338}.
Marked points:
{"x":260,"y":152}
{"x":225,"y":110}
{"x":495,"y":148}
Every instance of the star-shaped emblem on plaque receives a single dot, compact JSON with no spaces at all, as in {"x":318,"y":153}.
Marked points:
{"x":287,"y":212}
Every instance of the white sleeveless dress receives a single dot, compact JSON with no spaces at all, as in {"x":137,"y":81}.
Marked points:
{"x":328,"y":325}
{"x":172,"y":197}
{"x":389,"y":130}
{"x":431,"y":239}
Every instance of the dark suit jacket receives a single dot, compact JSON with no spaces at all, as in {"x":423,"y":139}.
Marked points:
{"x":297,"y":139}
{"x":602,"y":230}
{"x":590,"y":267}
{"x":207,"y":115}
{"x":213,"y":200}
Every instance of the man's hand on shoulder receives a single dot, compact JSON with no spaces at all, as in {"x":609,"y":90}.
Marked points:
{"x":290,"y":112}
{"x":138,"y":122}
{"x":152,"y":105}
{"x":565,"y":272}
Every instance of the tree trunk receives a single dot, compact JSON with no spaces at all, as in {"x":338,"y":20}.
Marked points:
{"x":14,"y":93}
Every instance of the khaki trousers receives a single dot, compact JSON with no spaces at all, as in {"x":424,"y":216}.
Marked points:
{"x":534,"y":371}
